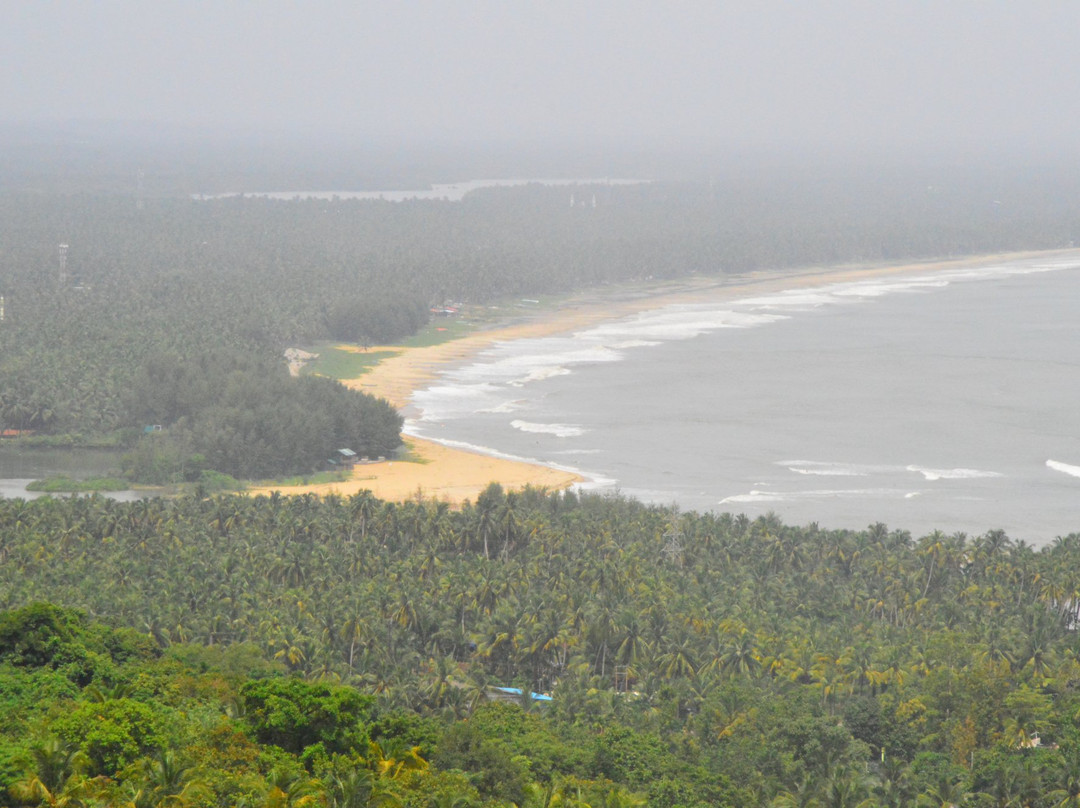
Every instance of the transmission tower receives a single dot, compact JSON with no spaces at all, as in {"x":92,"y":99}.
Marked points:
{"x":673,"y":548}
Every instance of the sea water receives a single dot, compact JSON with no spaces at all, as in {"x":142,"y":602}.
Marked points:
{"x":947,"y":401}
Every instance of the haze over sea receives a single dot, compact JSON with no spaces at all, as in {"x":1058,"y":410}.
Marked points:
{"x":946,"y":400}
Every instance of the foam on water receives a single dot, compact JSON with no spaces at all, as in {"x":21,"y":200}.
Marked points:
{"x":594,"y":482}
{"x":873,"y":289}
{"x":591,"y":481}
{"x":756,"y":496}
{"x":485,"y":386}
{"x":796,"y":299}
{"x":953,"y":474}
{"x":539,"y":374}
{"x":445,"y":401}
{"x":1065,"y":468}
{"x":475,"y":388}
{"x":506,"y":406}
{"x":831,"y":469}
{"x":824,"y":469}
{"x":678,"y":322}
{"x":510,"y":360}
{"x":635,"y":343}
{"x":462,"y":391}
{"x":558,"y":430}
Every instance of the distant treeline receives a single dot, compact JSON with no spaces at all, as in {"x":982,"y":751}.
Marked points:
{"x":206,"y":281}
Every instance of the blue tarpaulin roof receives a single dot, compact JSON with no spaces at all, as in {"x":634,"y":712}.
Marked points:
{"x":517,"y":692}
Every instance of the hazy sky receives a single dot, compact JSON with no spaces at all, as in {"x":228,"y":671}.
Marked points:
{"x":854,"y":73}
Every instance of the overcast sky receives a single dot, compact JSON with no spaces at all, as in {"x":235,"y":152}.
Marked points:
{"x":863,"y":74}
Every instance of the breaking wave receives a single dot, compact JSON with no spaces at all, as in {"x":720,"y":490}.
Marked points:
{"x":558,"y":430}
{"x":953,"y":474}
{"x":1064,"y":468}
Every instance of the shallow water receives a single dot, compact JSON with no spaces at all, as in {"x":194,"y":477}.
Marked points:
{"x":940,"y":401}
{"x":15,"y":488}
{"x":19,"y":467}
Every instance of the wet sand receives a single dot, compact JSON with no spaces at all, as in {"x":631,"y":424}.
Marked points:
{"x":434,"y":471}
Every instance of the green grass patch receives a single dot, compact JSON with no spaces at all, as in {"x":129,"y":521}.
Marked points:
{"x":340,"y":363}
{"x":107,"y":440}
{"x":405,"y":454}
{"x":440,"y":330}
{"x":315,"y":478}
{"x":61,"y":484}
{"x":214,"y":481}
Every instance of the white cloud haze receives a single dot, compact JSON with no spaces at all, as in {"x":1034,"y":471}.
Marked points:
{"x":860,"y":75}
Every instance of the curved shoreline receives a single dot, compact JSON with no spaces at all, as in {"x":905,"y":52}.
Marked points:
{"x":454,"y":475}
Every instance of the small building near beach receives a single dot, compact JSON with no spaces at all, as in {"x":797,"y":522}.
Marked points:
{"x":344,"y":458}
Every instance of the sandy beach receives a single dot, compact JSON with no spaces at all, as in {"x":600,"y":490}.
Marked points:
{"x":434,"y":471}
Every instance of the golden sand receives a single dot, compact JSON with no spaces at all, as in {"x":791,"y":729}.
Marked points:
{"x":434,"y":471}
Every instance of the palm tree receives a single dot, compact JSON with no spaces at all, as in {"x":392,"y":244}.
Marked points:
{"x":489,"y":506}
{"x":678,"y":656}
{"x":740,"y":655}
{"x":57,"y":777}
{"x":947,"y":792}
{"x":32,"y":791}
{"x":437,"y":681}
{"x":895,"y":789}
{"x":1066,"y":793}
{"x":288,"y":789}
{"x":847,"y":787}
{"x":804,"y":794}
{"x":357,"y":787}
{"x":169,"y":783}
{"x":392,"y":767}
{"x":476,"y":687}
{"x":632,"y":646}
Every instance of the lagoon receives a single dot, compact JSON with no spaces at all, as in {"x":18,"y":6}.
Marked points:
{"x":20,"y":466}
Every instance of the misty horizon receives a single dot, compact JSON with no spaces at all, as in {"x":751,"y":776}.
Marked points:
{"x":869,"y":82}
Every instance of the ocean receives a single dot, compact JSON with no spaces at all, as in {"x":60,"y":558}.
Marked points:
{"x":948,"y":400}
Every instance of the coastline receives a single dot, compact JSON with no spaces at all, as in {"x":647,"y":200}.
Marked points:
{"x":436,"y":471}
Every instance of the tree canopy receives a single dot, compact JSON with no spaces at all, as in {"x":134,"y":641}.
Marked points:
{"x":766,"y":664}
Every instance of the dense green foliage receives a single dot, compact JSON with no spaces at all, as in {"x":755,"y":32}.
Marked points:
{"x":249,"y":422}
{"x":693,"y":659}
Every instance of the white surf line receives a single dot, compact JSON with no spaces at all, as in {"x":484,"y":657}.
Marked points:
{"x":1065,"y":468}
{"x":590,"y":479}
{"x":558,"y":430}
